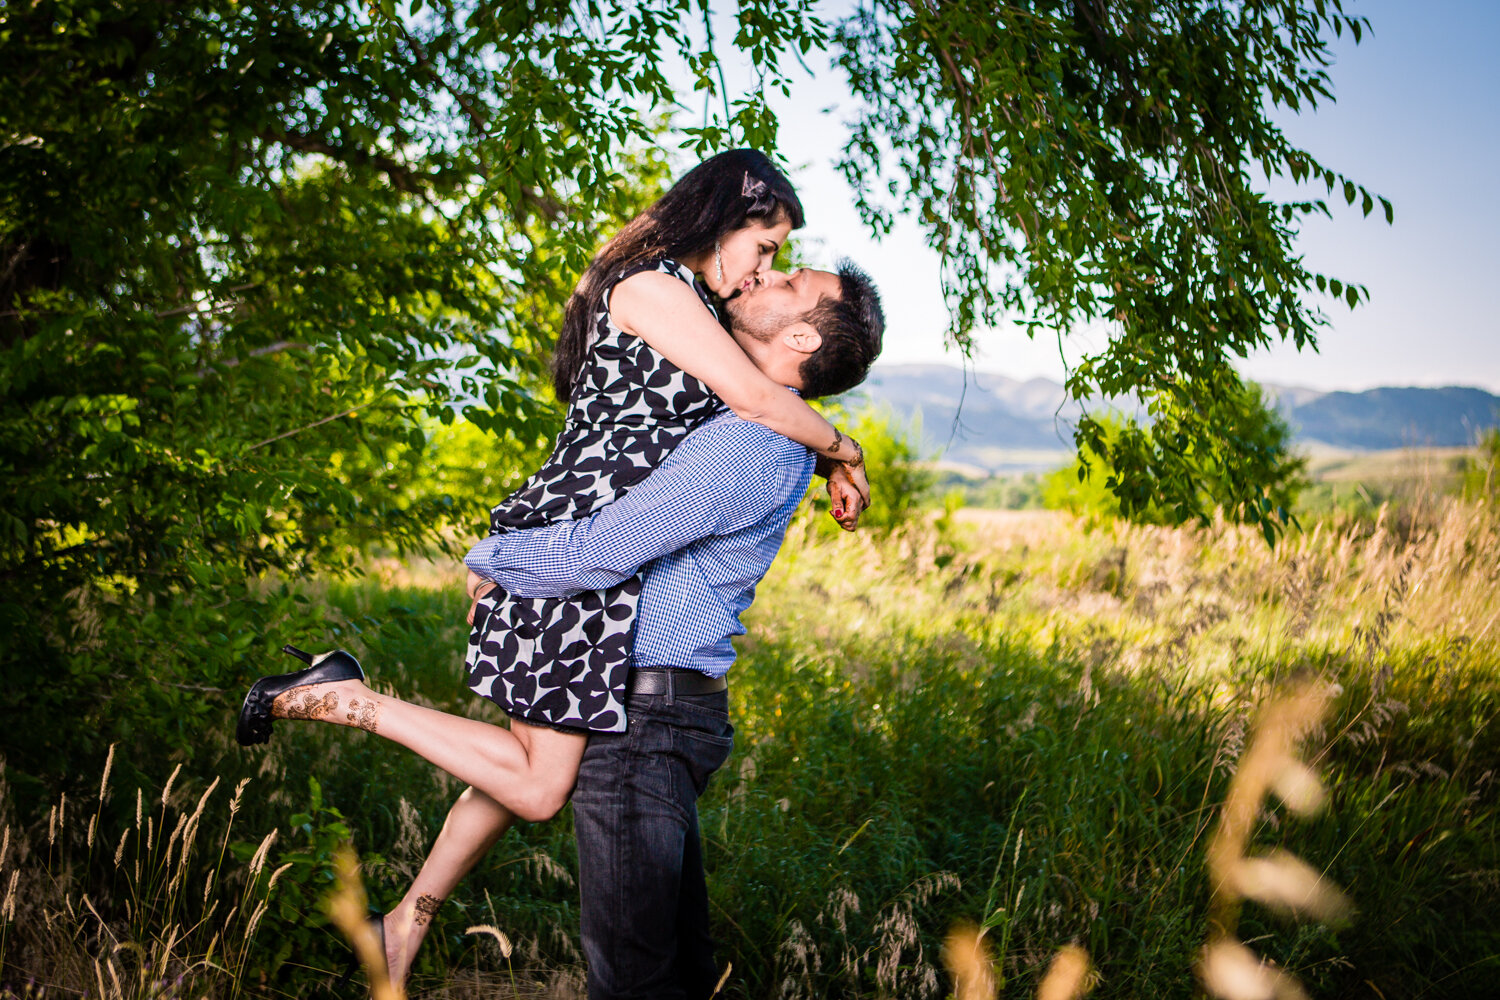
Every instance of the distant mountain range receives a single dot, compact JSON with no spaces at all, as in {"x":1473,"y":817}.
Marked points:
{"x":1006,"y":424}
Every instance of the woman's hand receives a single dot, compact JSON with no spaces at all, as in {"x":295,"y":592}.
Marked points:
{"x":855,"y":467}
{"x":845,"y":500}
{"x":475,"y":583}
{"x":477,"y":586}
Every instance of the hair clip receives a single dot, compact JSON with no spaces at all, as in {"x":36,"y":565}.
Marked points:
{"x":752,"y":188}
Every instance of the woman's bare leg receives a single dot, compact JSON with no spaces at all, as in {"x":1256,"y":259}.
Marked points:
{"x":473,"y":825}
{"x":531,"y":777}
{"x":525,"y":772}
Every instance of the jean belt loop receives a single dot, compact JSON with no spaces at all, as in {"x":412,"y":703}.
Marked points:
{"x":671,"y":687}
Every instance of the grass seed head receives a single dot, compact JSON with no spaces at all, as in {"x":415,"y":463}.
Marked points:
{"x":1230,"y":971}
{"x":258,"y":859}
{"x":1067,"y":977}
{"x":239,"y":790}
{"x":967,"y":959}
{"x":109,"y":763}
{"x":259,"y":912}
{"x":166,"y":791}
{"x":347,"y":906}
{"x":172,"y":840}
{"x":494,"y":932}
{"x":1288,"y":884}
{"x":203,"y":799}
{"x":275,"y":876}
{"x":1298,"y":786}
{"x":109,"y":965}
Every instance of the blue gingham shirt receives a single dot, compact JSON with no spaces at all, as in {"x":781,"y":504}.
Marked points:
{"x":706,"y":524}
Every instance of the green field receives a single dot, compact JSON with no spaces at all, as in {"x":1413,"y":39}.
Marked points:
{"x":1006,"y":718}
{"x":1355,"y":481}
{"x":1337,"y":480}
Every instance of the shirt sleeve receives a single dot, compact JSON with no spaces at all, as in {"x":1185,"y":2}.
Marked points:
{"x":721,"y":478}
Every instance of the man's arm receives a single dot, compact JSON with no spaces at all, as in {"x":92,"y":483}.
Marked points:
{"x":725,"y":476}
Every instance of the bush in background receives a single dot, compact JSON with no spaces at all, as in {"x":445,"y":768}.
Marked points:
{"x":1482,"y":471}
{"x":901,"y":485}
{"x":1254,"y":435}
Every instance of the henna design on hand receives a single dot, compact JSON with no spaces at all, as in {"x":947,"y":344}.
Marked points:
{"x":307,"y":705}
{"x":426,"y":908}
{"x":363,"y":714}
{"x":859,"y":455}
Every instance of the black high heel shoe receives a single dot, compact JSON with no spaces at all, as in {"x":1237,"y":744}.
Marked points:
{"x":255,"y":714}
{"x":377,"y":920}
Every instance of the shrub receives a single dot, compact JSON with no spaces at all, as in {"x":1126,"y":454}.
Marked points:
{"x":1482,"y":470}
{"x":1258,"y":436}
{"x":900,"y":483}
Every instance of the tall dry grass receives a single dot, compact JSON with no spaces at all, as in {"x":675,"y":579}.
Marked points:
{"x":141,"y":911}
{"x":1408,"y":575}
{"x":1276,"y":879}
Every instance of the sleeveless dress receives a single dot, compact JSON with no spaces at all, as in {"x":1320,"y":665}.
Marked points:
{"x":562,"y":662}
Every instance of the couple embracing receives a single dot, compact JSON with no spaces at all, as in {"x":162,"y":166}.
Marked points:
{"x":608,"y":591}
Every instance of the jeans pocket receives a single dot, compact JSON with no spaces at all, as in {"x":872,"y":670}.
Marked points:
{"x":704,"y":752}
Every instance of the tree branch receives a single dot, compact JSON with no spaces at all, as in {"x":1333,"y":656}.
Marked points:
{"x":547,"y":205}
{"x":308,"y":427}
{"x":402,"y":177}
{"x":280,"y":345}
{"x":465,"y":101}
{"x":193,"y":307}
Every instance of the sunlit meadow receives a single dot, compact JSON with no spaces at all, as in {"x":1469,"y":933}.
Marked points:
{"x":1022,"y":723}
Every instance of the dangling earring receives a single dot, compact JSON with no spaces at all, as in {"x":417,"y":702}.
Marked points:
{"x":719,"y":259}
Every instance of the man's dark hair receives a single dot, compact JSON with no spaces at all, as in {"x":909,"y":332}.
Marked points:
{"x":851,"y":327}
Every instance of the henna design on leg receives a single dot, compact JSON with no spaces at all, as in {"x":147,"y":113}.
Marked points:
{"x":300,"y":703}
{"x":364,"y":714}
{"x":426,"y":907}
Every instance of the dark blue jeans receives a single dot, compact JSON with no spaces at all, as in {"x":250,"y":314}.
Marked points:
{"x":640,"y":860}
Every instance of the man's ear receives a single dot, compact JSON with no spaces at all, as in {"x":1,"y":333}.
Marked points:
{"x":802,"y":337}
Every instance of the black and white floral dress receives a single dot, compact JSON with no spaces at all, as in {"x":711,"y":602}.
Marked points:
{"x":562,"y":662}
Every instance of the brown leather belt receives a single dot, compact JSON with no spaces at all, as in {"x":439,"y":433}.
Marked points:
{"x":672,"y":681}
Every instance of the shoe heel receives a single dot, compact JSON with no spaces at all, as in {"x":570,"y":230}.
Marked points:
{"x":376,"y":920}
{"x":254,"y":725}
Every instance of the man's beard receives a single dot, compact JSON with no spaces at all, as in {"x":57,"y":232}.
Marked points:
{"x":758,"y":324}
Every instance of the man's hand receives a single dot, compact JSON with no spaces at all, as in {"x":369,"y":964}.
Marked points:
{"x":845,"y":500}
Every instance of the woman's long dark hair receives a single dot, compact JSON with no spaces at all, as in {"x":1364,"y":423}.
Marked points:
{"x":716,"y":197}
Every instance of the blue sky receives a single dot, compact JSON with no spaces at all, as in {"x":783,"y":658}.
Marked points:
{"x":1416,"y":120}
